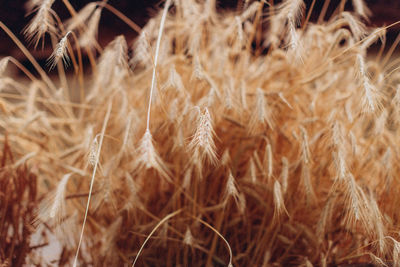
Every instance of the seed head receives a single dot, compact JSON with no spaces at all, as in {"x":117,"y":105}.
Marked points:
{"x":203,"y":142}
{"x":60,"y":52}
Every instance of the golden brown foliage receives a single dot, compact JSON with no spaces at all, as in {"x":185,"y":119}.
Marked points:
{"x":18,"y":201}
{"x":264,"y":147}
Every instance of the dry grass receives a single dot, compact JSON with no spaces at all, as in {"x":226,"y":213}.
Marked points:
{"x":251,"y":138}
{"x":18,"y":198}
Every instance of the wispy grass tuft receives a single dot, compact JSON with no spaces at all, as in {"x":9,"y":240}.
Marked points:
{"x":60,"y":52}
{"x":251,"y":137}
{"x":43,"y":22}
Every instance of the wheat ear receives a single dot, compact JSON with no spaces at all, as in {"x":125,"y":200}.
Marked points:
{"x":60,"y":52}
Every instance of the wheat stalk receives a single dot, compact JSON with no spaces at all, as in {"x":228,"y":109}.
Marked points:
{"x":103,"y":130}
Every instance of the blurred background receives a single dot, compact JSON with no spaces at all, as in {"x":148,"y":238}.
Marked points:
{"x":14,"y":15}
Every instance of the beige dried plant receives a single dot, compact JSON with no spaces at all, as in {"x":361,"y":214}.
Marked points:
{"x":251,"y":137}
{"x":43,"y":22}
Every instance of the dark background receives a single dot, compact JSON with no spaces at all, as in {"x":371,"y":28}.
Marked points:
{"x":13,"y":14}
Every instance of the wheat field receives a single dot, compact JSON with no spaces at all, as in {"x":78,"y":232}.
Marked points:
{"x":248,"y":137}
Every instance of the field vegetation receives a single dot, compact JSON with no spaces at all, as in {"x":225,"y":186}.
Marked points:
{"x":248,"y":137}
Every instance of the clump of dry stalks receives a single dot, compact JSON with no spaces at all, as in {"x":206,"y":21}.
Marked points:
{"x":18,"y":199}
{"x":217,"y":142}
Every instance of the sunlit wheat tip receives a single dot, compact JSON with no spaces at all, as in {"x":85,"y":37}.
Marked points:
{"x":187,"y":178}
{"x":148,"y":156}
{"x":228,"y":98}
{"x":294,"y":41}
{"x":112,"y":65}
{"x":341,"y":165}
{"x":147,"y":151}
{"x":80,"y":19}
{"x":294,"y":9}
{"x":396,"y":98}
{"x":278,"y":199}
{"x":249,"y":10}
{"x":356,"y":26}
{"x":378,"y":227}
{"x":93,"y":151}
{"x":387,"y":159}
{"x":89,"y":37}
{"x":211,"y":96}
{"x":253,"y":171}
{"x":225,"y":158}
{"x":174,"y":110}
{"x":240,"y":34}
{"x":133,"y":189}
{"x":353,"y":142}
{"x":275,"y":29}
{"x":377,"y":261}
{"x":285,"y":174}
{"x":203,"y":137}
{"x":353,"y":198}
{"x":195,"y":40}
{"x":325,"y":216}
{"x":361,"y":8}
{"x":260,"y":105}
{"x":396,"y":252}
{"x":262,"y":113}
{"x":241,"y":203}
{"x":42,"y":22}
{"x":188,"y":238}
{"x":30,"y":106}
{"x":308,"y":263}
{"x":175,"y":80}
{"x":60,"y":52}
{"x":243,"y":92}
{"x":307,"y":183}
{"x":266,"y":258}
{"x":340,"y":151}
{"x":349,"y":113}
{"x":121,"y":51}
{"x":231,"y":189}
{"x":198,"y":71}
{"x":306,"y":155}
{"x":370,"y":100}
{"x":3,"y":64}
{"x":281,"y":96}
{"x":269,"y":160}
{"x":57,"y":208}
